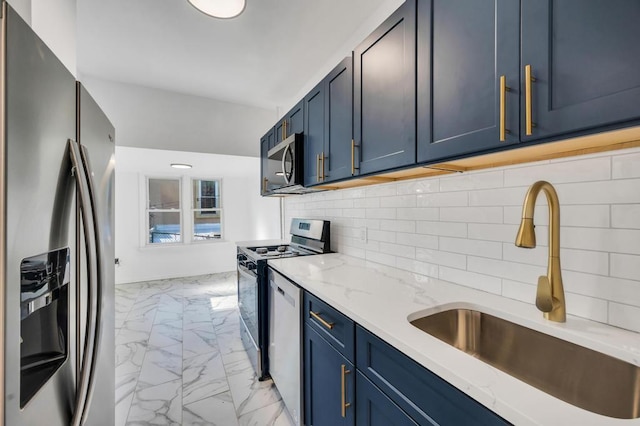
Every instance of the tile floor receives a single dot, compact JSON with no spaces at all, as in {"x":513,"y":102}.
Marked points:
{"x":180,"y":360}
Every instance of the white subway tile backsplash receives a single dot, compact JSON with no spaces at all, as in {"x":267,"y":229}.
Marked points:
{"x":625,"y":266}
{"x":471,"y":214}
{"x":450,"y":229}
{"x":472,"y":180}
{"x":417,"y":240}
{"x":446,"y":199}
{"x":420,"y":213}
{"x":503,"y":269}
{"x":490,"y":232}
{"x":482,"y":282}
{"x":462,"y":228}
{"x":398,"y":201}
{"x":602,"y":239}
{"x":481,"y":248}
{"x":625,"y":216}
{"x":604,"y":192}
{"x":418,"y":267}
{"x":563,"y":172}
{"x":498,"y":197}
{"x":381,"y":213}
{"x":398,"y":250}
{"x":398,"y":225}
{"x":443,"y":258}
{"x":418,"y":186}
{"x":624,"y":316}
{"x":626,"y":166}
{"x":385,"y":190}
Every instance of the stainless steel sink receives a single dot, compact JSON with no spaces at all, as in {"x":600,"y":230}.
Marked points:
{"x":583,"y":377}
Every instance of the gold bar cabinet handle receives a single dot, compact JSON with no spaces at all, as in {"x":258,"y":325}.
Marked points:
{"x":345,"y":404}
{"x":503,"y":108}
{"x":318,"y":168}
{"x":317,"y":316}
{"x":353,"y":158}
{"x":528,"y":80}
{"x":322,"y":158}
{"x":264,"y":184}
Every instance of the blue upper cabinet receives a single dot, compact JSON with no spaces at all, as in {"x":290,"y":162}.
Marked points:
{"x":292,"y":122}
{"x":384,"y":101}
{"x":468,"y":76}
{"x":265,"y":143}
{"x":339,"y":121}
{"x":314,"y":135}
{"x":584,"y":56}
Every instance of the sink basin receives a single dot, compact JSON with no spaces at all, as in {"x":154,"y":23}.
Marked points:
{"x":582,"y":377}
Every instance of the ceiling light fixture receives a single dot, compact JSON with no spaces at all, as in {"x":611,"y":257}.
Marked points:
{"x":181,"y":165}
{"x":223,"y":9}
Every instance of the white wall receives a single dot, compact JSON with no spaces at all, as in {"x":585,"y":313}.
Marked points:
{"x":159,"y":119}
{"x":461,"y":228}
{"x":55,"y":23}
{"x":246,"y":215}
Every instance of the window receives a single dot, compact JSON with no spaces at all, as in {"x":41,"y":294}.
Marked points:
{"x":183,"y":210}
{"x":163,"y":211}
{"x":206,"y":209}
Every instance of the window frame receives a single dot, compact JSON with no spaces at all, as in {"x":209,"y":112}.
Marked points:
{"x":193,"y":210}
{"x":186,"y":210}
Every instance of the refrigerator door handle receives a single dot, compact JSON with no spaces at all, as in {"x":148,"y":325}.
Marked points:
{"x":88,"y":213}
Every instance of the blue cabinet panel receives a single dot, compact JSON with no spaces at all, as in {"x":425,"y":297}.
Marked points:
{"x":374,"y":408}
{"x":292,"y":122}
{"x":339,"y":120}
{"x":265,"y":143}
{"x":385,"y":93}
{"x":323,"y":383}
{"x":584,"y":56}
{"x":332,"y":325}
{"x":464,"y":47}
{"x":421,"y":394}
{"x":314,"y":135}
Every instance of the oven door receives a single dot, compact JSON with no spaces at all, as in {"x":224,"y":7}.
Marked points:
{"x":248,"y":296}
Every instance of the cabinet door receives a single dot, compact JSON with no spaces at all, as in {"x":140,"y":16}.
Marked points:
{"x":292,"y":122}
{"x":325,"y":383}
{"x":314,"y":136}
{"x":339,"y":121}
{"x":385,"y":93}
{"x":584,"y":56}
{"x":265,"y":143}
{"x":374,"y":408}
{"x":472,"y":43}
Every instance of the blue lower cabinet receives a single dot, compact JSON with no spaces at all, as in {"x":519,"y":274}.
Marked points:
{"x":374,"y":408}
{"x":329,"y":383}
{"x":424,"y":396}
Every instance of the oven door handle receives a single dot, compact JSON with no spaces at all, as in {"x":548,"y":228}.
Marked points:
{"x":247,"y":272}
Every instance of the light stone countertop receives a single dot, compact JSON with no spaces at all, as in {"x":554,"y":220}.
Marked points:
{"x":383,"y":299}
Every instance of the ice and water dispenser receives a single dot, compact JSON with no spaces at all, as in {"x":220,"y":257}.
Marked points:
{"x":44,"y":312}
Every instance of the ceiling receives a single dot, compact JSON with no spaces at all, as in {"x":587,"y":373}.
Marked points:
{"x":262,"y":58}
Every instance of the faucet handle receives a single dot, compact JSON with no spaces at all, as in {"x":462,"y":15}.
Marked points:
{"x":544,"y":297}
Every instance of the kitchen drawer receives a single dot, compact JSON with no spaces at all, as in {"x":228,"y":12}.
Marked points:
{"x":337,"y":329}
{"x":425,"y":397}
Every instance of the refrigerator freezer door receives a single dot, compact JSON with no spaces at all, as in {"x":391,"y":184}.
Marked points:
{"x":40,"y":110}
{"x":96,"y":134}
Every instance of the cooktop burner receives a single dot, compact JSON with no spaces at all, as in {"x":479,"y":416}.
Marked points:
{"x":276,"y":251}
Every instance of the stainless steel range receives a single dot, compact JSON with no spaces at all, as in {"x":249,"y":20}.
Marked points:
{"x":308,"y":237}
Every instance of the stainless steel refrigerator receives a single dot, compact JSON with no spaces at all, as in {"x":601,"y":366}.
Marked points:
{"x":56,"y":240}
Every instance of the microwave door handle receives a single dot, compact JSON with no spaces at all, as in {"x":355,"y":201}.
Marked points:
{"x":287,"y":178}
{"x":84,"y":383}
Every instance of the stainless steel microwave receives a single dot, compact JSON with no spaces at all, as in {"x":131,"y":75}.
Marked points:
{"x":285,"y":166}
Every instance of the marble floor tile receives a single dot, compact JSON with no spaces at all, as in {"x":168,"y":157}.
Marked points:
{"x":250,"y":394}
{"x":217,"y":410}
{"x":180,"y":359}
{"x":158,"y":405}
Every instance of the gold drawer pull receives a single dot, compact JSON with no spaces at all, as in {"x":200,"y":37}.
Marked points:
{"x":528,"y":80}
{"x":317,"y":316}
{"x":353,"y":157}
{"x":318,"y":168}
{"x":322,"y":158}
{"x":344,"y":402}
{"x":503,"y":108}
